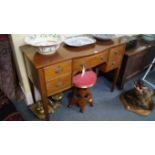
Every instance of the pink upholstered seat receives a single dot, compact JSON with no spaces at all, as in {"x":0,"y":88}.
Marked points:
{"x":86,"y":80}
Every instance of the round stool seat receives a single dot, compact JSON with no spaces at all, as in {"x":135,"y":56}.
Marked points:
{"x":86,"y":80}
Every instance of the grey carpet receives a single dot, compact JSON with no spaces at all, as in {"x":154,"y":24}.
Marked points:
{"x":108,"y":107}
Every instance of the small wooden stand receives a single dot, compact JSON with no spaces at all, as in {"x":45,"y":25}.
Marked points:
{"x":80,"y":97}
{"x":128,"y":106}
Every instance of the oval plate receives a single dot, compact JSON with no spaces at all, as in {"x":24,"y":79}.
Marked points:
{"x":79,"y":41}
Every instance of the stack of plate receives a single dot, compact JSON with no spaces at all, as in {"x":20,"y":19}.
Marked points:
{"x":149,"y":37}
{"x":104,"y":37}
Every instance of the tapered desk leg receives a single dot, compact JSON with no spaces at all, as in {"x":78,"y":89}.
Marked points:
{"x":116,"y":73}
{"x":43,"y":92}
{"x":32,"y":91}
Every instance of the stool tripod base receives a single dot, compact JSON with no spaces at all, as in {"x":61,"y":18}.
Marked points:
{"x":80,"y":97}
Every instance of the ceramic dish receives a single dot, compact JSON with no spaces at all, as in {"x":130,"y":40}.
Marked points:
{"x":46,"y":43}
{"x":149,"y":37}
{"x":104,"y":36}
{"x":79,"y":41}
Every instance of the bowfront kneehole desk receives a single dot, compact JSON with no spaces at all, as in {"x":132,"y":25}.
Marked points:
{"x":53,"y":74}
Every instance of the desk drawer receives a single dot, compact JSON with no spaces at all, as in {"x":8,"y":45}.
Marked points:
{"x":116,"y":53}
{"x":90,"y":61}
{"x":115,"y":58}
{"x":112,"y":65}
{"x":57,"y":70}
{"x":99,"y":58}
{"x":59,"y":84}
{"x":80,"y":62}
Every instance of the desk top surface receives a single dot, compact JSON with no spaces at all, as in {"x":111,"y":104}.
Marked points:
{"x":66,"y":52}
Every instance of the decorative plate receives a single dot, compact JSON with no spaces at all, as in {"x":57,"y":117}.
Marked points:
{"x":79,"y":41}
{"x":104,"y":36}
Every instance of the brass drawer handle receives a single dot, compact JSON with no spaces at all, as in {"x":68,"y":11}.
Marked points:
{"x":116,"y":52}
{"x":102,"y":59}
{"x":59,"y":84}
{"x":83,"y":65}
{"x":114,"y":63}
{"x":59,"y":70}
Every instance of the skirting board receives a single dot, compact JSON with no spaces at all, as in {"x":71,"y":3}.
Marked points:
{"x":28,"y":96}
{"x":28,"y":99}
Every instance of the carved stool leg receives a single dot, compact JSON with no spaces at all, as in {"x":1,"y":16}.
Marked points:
{"x":73,"y":100}
{"x":82,"y":104}
{"x":82,"y":94}
{"x":81,"y":97}
{"x":90,"y":98}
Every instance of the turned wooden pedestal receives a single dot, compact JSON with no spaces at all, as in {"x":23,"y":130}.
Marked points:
{"x":80,"y":97}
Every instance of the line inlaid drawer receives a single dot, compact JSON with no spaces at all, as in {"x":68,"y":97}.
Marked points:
{"x":112,"y":65}
{"x":90,"y":61}
{"x":115,"y":58}
{"x":99,"y":58}
{"x":80,"y":62}
{"x":59,"y":84}
{"x":116,"y":53}
{"x":57,"y":70}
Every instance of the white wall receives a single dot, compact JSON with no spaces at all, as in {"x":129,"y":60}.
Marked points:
{"x":18,"y":40}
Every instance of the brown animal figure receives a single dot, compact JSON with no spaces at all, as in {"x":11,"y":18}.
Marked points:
{"x":140,"y":96}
